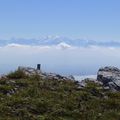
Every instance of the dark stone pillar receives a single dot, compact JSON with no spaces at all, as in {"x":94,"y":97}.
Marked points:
{"x":38,"y":66}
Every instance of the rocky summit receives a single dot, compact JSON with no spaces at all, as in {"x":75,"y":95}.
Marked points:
{"x":109,"y":76}
{"x":31,"y":94}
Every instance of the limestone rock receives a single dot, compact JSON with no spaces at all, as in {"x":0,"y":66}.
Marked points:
{"x":109,"y":76}
{"x":32,"y":71}
{"x":29,"y":70}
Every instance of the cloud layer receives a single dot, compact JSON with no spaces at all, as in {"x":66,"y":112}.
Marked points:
{"x":61,"y":58}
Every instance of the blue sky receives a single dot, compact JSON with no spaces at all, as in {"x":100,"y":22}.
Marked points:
{"x":89,"y":19}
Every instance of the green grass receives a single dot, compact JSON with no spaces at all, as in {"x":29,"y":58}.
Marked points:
{"x":35,"y":98}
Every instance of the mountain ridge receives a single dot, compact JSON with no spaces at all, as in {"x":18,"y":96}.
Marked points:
{"x":49,"y":41}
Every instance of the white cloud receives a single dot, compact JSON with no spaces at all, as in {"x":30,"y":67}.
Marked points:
{"x":16,"y":45}
{"x":63,"y":46}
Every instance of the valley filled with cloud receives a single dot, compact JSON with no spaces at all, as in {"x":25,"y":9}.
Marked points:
{"x":58,"y":56}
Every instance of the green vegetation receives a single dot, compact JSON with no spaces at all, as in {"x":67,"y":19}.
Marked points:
{"x":34,"y":98}
{"x":16,"y":75}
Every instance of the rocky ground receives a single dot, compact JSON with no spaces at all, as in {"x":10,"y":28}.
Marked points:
{"x":30,"y":94}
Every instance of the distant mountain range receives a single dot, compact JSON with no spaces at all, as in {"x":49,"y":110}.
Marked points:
{"x":56,"y":40}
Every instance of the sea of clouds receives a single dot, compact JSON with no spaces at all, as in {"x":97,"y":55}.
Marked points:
{"x":61,"y":58}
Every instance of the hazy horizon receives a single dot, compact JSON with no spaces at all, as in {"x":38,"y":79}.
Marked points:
{"x":59,"y":57}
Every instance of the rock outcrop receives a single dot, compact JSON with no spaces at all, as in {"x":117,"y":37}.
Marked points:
{"x":29,"y":70}
{"x":109,"y":76}
{"x":32,"y":71}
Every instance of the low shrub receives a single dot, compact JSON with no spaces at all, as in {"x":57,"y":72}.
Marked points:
{"x":18,"y":74}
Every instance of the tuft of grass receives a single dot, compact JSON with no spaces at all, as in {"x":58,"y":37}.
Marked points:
{"x":18,"y":74}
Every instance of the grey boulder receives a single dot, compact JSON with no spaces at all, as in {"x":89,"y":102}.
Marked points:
{"x":109,"y":76}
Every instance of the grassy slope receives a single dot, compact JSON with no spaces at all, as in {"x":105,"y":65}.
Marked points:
{"x":32,"y":98}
